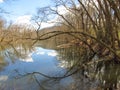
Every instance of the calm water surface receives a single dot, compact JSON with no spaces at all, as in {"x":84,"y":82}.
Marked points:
{"x":13,"y":73}
{"x":18,"y":63}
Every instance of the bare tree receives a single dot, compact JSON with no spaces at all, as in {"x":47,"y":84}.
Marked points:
{"x":96,"y":21}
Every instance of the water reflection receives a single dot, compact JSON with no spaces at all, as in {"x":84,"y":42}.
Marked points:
{"x":23,"y":59}
{"x":96,"y":74}
{"x":9,"y":53}
{"x":17,"y":60}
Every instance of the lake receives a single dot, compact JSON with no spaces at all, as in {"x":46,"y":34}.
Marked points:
{"x":30,"y":67}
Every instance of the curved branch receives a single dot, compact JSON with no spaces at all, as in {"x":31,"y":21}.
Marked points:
{"x":85,"y":34}
{"x":56,"y":33}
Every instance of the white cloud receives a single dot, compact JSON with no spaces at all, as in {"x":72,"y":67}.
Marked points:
{"x":62,"y":10}
{"x":25,"y":19}
{"x":41,"y":53}
{"x":28,"y":59}
{"x":45,"y":24}
{"x":1,"y":1}
{"x":53,"y":53}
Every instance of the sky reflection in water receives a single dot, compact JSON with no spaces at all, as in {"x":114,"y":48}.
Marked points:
{"x":40,"y":60}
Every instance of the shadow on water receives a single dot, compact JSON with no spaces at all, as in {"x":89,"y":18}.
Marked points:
{"x":27,"y":66}
{"x":96,"y":74}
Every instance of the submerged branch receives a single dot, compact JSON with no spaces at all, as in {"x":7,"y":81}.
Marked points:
{"x":68,"y":74}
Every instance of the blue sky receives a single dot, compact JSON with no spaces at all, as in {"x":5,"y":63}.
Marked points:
{"x":21,"y":11}
{"x":19,"y":8}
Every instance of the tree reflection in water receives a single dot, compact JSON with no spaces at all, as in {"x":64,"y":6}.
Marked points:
{"x":13,"y":51}
{"x":95,"y":74}
{"x":17,"y":74}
